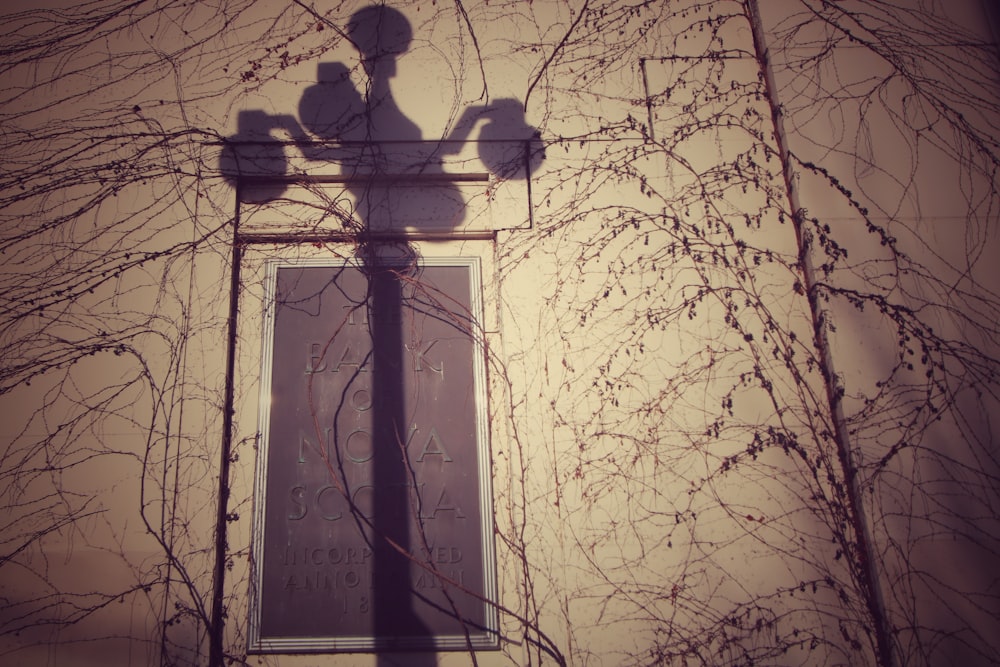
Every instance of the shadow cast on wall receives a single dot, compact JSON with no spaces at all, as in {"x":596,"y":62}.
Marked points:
{"x":389,"y":167}
{"x":394,"y":177}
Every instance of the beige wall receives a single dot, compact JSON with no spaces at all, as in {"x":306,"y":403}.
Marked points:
{"x":666,"y":485}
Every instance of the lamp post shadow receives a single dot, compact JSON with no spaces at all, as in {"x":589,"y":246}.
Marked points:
{"x":394,"y":511}
{"x":377,"y":146}
{"x":380,"y":34}
{"x":369,"y":130}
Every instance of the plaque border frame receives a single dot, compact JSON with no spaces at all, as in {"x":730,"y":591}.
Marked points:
{"x":487,"y":639}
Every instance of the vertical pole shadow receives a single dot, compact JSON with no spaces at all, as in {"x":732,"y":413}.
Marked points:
{"x":395,"y":616}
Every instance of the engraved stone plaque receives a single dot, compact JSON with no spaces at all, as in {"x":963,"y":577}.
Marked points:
{"x":373,"y":519}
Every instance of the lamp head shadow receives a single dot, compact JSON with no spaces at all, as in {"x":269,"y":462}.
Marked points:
{"x":509,"y":147}
{"x":253,"y":160}
{"x":380,"y":34}
{"x":379,"y":150}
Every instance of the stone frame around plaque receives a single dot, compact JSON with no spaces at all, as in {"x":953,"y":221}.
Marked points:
{"x":373,"y":520}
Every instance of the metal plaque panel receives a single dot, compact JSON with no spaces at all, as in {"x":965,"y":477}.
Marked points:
{"x":373,"y":520}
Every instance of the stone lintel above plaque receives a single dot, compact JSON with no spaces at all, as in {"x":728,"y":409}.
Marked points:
{"x":399,"y":188}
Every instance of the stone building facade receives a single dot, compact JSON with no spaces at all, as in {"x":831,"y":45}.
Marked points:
{"x":500,"y":333}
